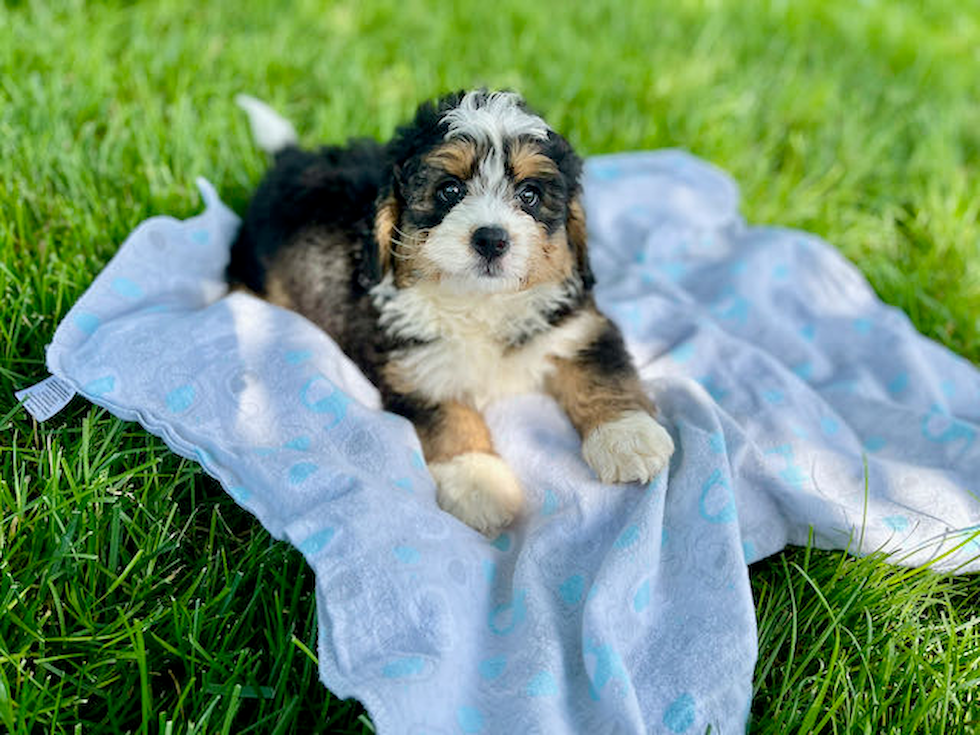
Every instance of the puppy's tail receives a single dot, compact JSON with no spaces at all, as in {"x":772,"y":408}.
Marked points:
{"x":272,"y":132}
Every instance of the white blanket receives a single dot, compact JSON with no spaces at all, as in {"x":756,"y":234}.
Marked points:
{"x":796,"y":399}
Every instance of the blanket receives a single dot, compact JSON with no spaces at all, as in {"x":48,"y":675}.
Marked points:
{"x":803,"y":410}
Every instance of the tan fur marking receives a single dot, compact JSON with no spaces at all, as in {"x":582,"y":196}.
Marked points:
{"x":277,"y":291}
{"x":590,"y":398}
{"x":411,"y":266}
{"x":401,"y":250}
{"x":460,"y":429}
{"x":397,"y":378}
{"x":385,"y":222}
{"x":554,"y":259}
{"x":528,"y":162}
{"x":551,"y":262}
{"x":457,"y":158}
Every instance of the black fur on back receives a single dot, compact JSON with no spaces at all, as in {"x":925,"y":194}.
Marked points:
{"x":334,"y":187}
{"x":337,"y":187}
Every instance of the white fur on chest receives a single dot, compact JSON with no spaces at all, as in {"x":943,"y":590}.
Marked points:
{"x":469,"y":359}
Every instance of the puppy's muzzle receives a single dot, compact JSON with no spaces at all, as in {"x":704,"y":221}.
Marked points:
{"x":490,"y":242}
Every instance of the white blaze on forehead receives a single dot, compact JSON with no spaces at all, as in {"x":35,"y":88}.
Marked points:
{"x":493,"y":117}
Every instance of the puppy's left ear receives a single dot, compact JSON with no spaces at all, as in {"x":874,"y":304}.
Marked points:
{"x":570,"y":165}
{"x":578,"y":240}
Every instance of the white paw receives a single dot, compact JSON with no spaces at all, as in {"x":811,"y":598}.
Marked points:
{"x":479,"y":489}
{"x":632,"y":448}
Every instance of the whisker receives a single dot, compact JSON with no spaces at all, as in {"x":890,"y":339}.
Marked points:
{"x":418,"y":235}
{"x":406,"y":242}
{"x":400,"y":256}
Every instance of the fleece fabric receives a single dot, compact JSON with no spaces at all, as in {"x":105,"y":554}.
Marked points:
{"x":801,"y":407}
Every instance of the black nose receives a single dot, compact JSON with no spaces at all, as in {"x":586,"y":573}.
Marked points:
{"x":490,"y":242}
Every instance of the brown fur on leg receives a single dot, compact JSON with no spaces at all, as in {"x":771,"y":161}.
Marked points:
{"x":456,"y":429}
{"x":599,"y":384}
{"x":601,"y":393}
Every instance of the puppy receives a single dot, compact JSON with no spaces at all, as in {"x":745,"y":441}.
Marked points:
{"x":451,"y":265}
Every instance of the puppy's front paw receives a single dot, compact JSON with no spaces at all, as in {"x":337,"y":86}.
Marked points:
{"x":634,"y":447}
{"x":479,"y":489}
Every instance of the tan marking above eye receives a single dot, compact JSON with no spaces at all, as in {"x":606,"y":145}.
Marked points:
{"x":457,"y":158}
{"x":528,"y":162}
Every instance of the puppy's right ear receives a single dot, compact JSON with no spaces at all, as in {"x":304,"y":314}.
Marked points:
{"x":378,"y":260}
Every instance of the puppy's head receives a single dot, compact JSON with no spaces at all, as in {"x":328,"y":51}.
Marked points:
{"x":483,"y":197}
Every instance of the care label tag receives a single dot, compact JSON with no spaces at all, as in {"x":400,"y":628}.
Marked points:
{"x":46,"y":398}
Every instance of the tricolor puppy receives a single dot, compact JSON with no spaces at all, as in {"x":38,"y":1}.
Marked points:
{"x":451,"y":266}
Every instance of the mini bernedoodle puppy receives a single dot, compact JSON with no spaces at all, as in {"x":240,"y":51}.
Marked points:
{"x":451,"y":266}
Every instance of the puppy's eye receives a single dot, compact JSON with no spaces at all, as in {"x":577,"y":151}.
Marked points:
{"x":450,"y":192}
{"x":529,"y":195}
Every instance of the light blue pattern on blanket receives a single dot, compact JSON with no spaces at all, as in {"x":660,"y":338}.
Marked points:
{"x":795,"y":398}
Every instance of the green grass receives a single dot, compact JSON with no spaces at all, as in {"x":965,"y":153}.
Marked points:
{"x":136,"y":597}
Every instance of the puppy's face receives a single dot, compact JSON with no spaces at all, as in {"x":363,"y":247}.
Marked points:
{"x":484,"y":198}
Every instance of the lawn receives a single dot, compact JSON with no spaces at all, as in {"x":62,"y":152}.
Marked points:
{"x":135,"y":596}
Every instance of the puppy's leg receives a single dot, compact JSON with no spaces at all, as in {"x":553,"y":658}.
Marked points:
{"x":601,"y":393}
{"x":473,"y":483}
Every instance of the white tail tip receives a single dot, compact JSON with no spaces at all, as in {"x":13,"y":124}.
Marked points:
{"x":272,"y":132}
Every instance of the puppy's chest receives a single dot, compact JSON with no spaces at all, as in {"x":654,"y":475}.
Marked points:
{"x":477,"y":349}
